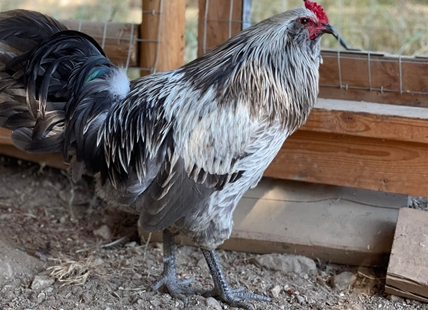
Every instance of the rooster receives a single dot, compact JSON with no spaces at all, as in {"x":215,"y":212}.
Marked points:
{"x":179,"y":148}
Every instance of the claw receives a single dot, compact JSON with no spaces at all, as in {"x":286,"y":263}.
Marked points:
{"x":222,"y":290}
{"x":177,"y":288}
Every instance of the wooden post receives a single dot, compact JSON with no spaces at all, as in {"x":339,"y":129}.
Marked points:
{"x":218,"y":21}
{"x":162,"y":35}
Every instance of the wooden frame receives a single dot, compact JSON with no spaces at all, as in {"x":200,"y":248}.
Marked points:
{"x":348,"y":143}
{"x":373,"y":77}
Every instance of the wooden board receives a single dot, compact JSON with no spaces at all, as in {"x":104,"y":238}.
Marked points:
{"x":407,"y":273}
{"x":374,"y":78}
{"x":52,"y":160}
{"x":368,"y":119}
{"x":355,"y":144}
{"x":119,"y":40}
{"x":336,"y":224}
{"x":5,"y":137}
{"x":353,"y":161}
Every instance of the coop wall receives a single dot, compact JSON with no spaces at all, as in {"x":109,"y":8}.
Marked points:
{"x":370,"y":131}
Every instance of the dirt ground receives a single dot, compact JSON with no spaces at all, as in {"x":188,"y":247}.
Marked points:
{"x":54,"y":256}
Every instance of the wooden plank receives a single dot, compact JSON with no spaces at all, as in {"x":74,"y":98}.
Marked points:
{"x":218,"y":22}
{"x":373,"y":120}
{"x":348,"y":76}
{"x":336,"y":224}
{"x":364,"y":145}
{"x":382,"y":165}
{"x":52,"y":159}
{"x":407,"y":273}
{"x":5,"y":137}
{"x":119,"y":40}
{"x":162,"y":35}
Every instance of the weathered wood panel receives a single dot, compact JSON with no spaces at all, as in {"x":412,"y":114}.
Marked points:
{"x":336,"y":224}
{"x":162,"y":35}
{"x":408,"y":267}
{"x":376,"y":164}
{"x":377,"y":78}
{"x":372,"y":120}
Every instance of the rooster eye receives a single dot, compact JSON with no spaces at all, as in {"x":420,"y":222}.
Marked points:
{"x":304,"y":21}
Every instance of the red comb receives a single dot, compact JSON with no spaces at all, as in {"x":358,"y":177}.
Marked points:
{"x":317,"y":10}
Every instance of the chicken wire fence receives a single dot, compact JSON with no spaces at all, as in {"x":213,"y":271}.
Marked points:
{"x":395,"y":27}
{"x":396,"y":30}
{"x":114,"y":24}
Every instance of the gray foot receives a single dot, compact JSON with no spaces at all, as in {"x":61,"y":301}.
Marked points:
{"x":222,"y":290}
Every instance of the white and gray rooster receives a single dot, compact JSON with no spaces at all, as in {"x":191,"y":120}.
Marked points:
{"x":179,"y":148}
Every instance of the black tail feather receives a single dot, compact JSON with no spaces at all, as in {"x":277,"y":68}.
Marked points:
{"x":55,"y":87}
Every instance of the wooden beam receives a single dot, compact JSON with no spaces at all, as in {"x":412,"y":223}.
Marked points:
{"x":335,"y":224}
{"x":367,"y":119}
{"x":162,"y":35}
{"x":356,"y":144}
{"x":119,"y":40}
{"x":218,"y":22}
{"x":52,"y":159}
{"x":361,"y":76}
{"x":408,"y":267}
{"x":353,"y":161}
{"x":5,"y":137}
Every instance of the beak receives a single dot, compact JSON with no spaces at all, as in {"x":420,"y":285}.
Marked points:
{"x":331,"y":30}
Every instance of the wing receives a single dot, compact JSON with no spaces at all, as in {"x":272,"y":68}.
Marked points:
{"x":181,"y":147}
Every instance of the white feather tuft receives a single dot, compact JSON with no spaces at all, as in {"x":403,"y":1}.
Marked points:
{"x":119,"y":83}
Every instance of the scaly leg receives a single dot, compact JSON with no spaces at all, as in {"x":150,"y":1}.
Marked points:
{"x":175,"y":287}
{"x":235,"y":298}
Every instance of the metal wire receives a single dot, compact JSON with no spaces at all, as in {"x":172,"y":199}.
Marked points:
{"x":401,"y":74}
{"x":128,"y":58}
{"x":204,"y":46}
{"x":230,"y":18}
{"x":339,"y":69}
{"x":369,"y":71}
{"x":159,"y":36}
{"x":105,"y":34}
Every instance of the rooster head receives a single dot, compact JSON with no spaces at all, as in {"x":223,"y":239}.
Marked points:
{"x":318,"y":25}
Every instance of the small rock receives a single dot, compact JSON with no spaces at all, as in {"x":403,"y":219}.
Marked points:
{"x":286,"y":263}
{"x":41,"y":281}
{"x":103,"y":232}
{"x":6,"y":271}
{"x":275,"y":291}
{"x":343,"y":281}
{"x":202,"y":263}
{"x":87,"y":298}
{"x":212,"y":303}
{"x":300,"y":299}
{"x":131,"y":244}
{"x":41,"y":296}
{"x":395,"y":298}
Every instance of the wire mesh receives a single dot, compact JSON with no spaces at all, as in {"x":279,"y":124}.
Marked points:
{"x":113,"y":24}
{"x":222,"y":20}
{"x":386,"y":39}
{"x":397,"y":27}
{"x":394,"y":27}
